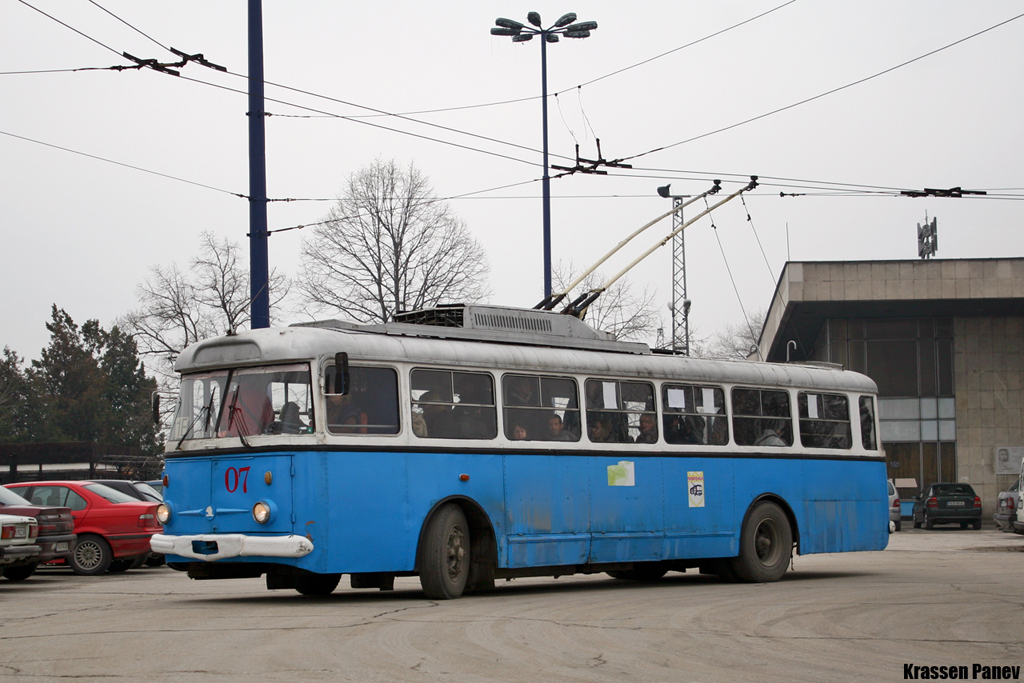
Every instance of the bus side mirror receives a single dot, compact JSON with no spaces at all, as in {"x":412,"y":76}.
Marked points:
{"x":155,"y":402}
{"x":341,"y":375}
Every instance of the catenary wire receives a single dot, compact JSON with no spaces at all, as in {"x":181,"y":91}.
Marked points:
{"x":821,"y":95}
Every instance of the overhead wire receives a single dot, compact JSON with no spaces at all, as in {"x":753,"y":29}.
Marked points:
{"x":121,"y":163}
{"x":821,"y":95}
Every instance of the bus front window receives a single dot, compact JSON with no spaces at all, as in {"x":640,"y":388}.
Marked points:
{"x":245,"y":402}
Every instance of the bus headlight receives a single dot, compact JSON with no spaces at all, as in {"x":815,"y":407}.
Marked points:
{"x":264,"y":512}
{"x":163,"y":513}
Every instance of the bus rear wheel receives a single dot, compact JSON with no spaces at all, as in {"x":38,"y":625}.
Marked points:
{"x":766,"y":545}
{"x":445,"y":554}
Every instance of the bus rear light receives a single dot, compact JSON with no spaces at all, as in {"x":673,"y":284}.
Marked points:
{"x":933,"y":502}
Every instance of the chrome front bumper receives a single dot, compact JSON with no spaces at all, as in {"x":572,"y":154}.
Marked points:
{"x":212,"y":547}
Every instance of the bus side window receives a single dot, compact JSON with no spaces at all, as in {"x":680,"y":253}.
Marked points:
{"x":867,"y":423}
{"x":369,"y":407}
{"x":453,"y":405}
{"x":621,"y":412}
{"x":694,"y":415}
{"x":824,"y":420}
{"x":540,"y":408}
{"x":761,"y":417}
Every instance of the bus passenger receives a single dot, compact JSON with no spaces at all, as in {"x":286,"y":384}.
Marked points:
{"x":648,"y":429}
{"x":600,"y":430}
{"x":518,"y":432}
{"x":343,"y":415}
{"x":770,"y":436}
{"x":557,"y":431}
{"x":440,"y":421}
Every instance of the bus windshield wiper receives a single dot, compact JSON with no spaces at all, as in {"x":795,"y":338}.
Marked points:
{"x":232,"y":411}
{"x":205,"y":410}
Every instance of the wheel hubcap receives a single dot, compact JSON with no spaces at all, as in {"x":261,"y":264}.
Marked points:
{"x":456,"y":552}
{"x":766,"y":541}
{"x":87,"y":555}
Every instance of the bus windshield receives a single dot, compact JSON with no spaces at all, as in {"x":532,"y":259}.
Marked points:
{"x":245,"y":402}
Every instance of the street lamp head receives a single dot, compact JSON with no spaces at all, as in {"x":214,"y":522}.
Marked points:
{"x":509,"y":23}
{"x":663,"y":191}
{"x":583,"y":26}
{"x":565,"y":20}
{"x":504,"y":32}
{"x":551,"y":37}
{"x":534,"y":18}
{"x":577,"y":34}
{"x":522,"y":37}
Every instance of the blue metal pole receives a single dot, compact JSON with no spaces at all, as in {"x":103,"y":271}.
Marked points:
{"x":259,"y":267}
{"x":546,"y":182}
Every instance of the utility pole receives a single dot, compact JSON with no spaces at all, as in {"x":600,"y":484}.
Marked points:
{"x":680,"y":304}
{"x":259,"y":266}
{"x":680,"y":318}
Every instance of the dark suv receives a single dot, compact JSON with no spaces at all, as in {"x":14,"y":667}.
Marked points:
{"x":947,"y":504}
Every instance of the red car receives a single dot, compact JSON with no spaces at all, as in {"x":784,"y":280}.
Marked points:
{"x":56,"y":533}
{"x":113,"y":528}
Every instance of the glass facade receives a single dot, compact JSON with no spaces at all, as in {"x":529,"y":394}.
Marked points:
{"x":911,"y":361}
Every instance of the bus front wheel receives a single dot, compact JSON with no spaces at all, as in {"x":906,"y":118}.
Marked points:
{"x":766,"y":545}
{"x":445,"y":554}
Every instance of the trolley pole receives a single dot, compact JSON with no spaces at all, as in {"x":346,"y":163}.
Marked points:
{"x":259,"y":266}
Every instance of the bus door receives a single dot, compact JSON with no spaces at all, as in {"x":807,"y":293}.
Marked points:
{"x":238,"y":483}
{"x":626,"y":491}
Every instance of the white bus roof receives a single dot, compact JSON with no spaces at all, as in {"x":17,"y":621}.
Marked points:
{"x":431,"y":345}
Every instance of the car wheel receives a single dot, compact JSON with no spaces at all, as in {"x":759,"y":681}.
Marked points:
{"x":977,"y":525}
{"x":120,"y":566}
{"x":898,"y":525}
{"x":917,"y":524}
{"x":766,"y":545}
{"x":92,"y":555}
{"x":445,"y":554}
{"x":928,"y":523}
{"x":963,"y":525}
{"x":318,"y":585}
{"x":156,"y":560}
{"x":21,"y":572}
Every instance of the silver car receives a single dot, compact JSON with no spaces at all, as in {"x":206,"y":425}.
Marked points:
{"x":894,"y":508}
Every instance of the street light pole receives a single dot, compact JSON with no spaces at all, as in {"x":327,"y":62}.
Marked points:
{"x":521,"y":33}
{"x":546,"y":179}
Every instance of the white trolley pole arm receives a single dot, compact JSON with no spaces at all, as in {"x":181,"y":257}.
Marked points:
{"x":555,"y":298}
{"x":581,"y":304}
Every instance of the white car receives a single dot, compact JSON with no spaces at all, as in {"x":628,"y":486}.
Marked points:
{"x":18,"y":540}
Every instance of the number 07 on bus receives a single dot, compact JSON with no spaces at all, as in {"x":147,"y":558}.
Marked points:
{"x":466,"y":444}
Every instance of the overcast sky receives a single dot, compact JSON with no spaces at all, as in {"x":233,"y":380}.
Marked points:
{"x":82,"y":233}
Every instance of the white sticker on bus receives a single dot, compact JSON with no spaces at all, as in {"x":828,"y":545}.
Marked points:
{"x":621,"y":474}
{"x":695,"y":488}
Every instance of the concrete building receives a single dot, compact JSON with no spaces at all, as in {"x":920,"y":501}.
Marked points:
{"x":944,"y":341}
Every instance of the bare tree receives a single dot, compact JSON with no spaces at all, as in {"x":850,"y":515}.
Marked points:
{"x":390,"y":245}
{"x":209,"y":299}
{"x":737,"y":341}
{"x":619,"y":310}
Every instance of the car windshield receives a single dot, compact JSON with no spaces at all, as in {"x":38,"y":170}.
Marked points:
{"x":110,"y":494}
{"x":9,"y":497}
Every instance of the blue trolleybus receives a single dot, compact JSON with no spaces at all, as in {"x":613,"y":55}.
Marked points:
{"x":465,"y":444}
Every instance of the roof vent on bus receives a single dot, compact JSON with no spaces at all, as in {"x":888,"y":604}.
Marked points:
{"x":501,"y":323}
